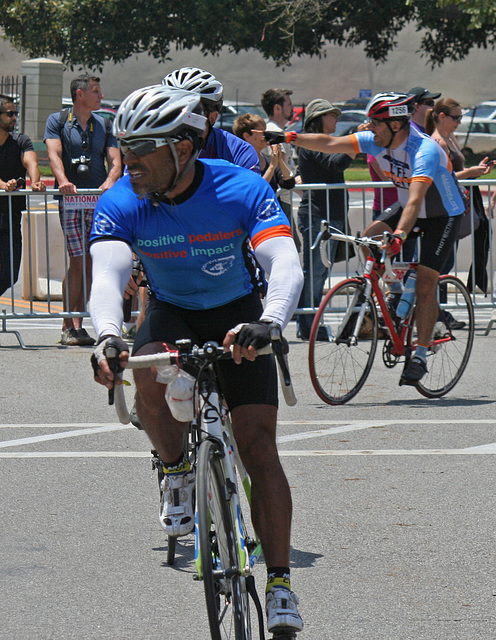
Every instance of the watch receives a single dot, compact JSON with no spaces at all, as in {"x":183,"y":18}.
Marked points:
{"x":401,"y":234}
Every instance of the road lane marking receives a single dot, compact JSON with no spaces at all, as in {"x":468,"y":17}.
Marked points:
{"x":339,"y":427}
{"x":319,"y":453}
{"x":64,"y":434}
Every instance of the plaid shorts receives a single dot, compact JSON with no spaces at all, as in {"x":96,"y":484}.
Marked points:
{"x":76,"y":225}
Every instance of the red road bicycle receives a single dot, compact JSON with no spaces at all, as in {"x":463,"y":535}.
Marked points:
{"x":355,"y":315}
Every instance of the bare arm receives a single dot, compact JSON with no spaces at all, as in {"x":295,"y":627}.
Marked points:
{"x":410,"y":213}
{"x":325,"y":144}
{"x":320,"y":142}
{"x":54,"y":148}
{"x":114,"y":166}
{"x":377,"y":168}
{"x":30,"y":162}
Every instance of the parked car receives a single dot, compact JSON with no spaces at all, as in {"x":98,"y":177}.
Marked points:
{"x":107,"y":113}
{"x":479,"y":136}
{"x":484,"y":110}
{"x":231,"y":110}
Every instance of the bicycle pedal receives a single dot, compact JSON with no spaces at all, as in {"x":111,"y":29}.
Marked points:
{"x":407,"y":383}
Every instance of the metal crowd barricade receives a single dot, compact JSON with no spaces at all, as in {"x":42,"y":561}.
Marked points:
{"x":38,"y":294}
{"x":360,"y":198}
{"x":39,"y":291}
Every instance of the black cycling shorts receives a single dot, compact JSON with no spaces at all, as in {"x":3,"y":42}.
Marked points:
{"x":438,"y":236}
{"x":246,"y":383}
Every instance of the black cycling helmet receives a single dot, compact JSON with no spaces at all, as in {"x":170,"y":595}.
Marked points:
{"x":390,"y":106}
{"x":199,"y":81}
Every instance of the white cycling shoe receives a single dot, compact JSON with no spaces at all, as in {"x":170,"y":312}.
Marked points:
{"x":178,"y":512}
{"x":282,"y":611}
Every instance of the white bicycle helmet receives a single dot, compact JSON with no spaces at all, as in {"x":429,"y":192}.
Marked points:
{"x":160,"y":112}
{"x":164,"y":113}
{"x":198,"y":81}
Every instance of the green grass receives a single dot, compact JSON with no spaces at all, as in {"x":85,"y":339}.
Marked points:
{"x":357,"y":174}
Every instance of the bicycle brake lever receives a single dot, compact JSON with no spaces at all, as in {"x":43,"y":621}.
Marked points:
{"x":279,"y":348}
{"x":113,"y":361}
{"x":322,"y":235}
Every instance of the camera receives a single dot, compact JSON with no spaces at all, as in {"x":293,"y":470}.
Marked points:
{"x":81,"y":165}
{"x":20,"y":183}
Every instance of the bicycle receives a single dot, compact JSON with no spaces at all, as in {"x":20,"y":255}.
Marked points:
{"x":225,"y":551}
{"x":354,"y":312}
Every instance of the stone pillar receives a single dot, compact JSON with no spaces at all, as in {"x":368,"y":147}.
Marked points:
{"x":43,"y":93}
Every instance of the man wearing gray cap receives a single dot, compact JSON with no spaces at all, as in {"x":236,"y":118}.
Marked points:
{"x":320,"y":117}
{"x":423,"y":100}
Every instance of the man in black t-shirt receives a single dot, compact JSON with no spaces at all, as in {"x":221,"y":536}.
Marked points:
{"x":17,"y":156}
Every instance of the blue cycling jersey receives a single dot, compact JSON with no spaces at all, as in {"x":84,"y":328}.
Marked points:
{"x":227,"y":146}
{"x":418,"y":158}
{"x":192,"y":248}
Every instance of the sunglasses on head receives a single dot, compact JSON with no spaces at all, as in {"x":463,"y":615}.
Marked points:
{"x":455,"y":118}
{"x":141,"y":147}
{"x":11,"y":114}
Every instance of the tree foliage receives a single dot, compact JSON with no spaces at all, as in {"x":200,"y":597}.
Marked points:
{"x":90,"y":32}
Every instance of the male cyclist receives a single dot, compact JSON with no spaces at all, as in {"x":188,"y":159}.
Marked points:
{"x":429,"y":196}
{"x":187,"y":220}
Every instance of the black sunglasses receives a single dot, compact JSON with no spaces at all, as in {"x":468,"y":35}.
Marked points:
{"x":11,"y":114}
{"x":429,"y":103}
{"x":84,"y":141}
{"x":141,"y":147}
{"x":455,"y":118}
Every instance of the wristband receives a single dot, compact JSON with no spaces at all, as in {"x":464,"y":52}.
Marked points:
{"x":401,"y":235}
{"x":290,"y":136}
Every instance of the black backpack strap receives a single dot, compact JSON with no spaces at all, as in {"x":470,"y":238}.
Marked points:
{"x":108,"y":131}
{"x":63,"y":115}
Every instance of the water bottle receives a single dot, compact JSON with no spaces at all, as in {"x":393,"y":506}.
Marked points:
{"x":407,"y":298}
{"x":179,"y":396}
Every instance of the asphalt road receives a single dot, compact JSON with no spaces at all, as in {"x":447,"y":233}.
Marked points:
{"x":394,"y":519}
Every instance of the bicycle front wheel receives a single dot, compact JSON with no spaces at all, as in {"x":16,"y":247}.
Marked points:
{"x":341,"y":363}
{"x":451,"y":344}
{"x":225,"y":587}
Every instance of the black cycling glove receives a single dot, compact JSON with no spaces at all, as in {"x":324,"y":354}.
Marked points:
{"x":101,"y":351}
{"x":255,"y":334}
{"x":275,"y":137}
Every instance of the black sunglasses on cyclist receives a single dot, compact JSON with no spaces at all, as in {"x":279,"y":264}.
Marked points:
{"x":429,"y":103}
{"x":455,"y":118}
{"x":11,"y":114}
{"x":141,"y":147}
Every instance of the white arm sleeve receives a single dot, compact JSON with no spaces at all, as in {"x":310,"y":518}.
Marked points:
{"x":112,"y":266}
{"x":279,"y":259}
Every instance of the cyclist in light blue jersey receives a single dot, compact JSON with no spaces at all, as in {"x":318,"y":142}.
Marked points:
{"x":427,"y":191}
{"x":188,"y":220}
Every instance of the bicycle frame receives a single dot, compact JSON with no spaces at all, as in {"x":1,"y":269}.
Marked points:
{"x":215,"y":423}
{"x":341,"y":363}
{"x":397,"y":338}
